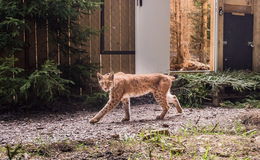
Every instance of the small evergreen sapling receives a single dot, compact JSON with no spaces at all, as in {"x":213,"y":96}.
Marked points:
{"x":46,"y":84}
{"x":10,"y":82}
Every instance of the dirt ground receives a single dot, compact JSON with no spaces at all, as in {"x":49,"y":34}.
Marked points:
{"x":55,"y":127}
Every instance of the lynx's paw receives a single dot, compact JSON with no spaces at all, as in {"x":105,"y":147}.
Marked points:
{"x":125,"y":119}
{"x":93,"y":120}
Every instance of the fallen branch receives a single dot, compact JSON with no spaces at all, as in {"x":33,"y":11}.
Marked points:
{"x":197,"y":121}
{"x":215,"y":126}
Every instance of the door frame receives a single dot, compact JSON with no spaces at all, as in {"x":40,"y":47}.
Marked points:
{"x":215,"y":44}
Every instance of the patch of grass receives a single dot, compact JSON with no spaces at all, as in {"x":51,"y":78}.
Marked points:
{"x":38,"y":150}
{"x":13,"y":152}
{"x":190,"y":142}
{"x":206,"y":155}
{"x":245,"y":103}
{"x":237,"y":128}
{"x":84,"y":145}
{"x":190,"y":129}
{"x":161,"y":141}
{"x":2,"y":149}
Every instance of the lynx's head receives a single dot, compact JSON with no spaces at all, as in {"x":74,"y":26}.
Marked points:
{"x":106,"y":81}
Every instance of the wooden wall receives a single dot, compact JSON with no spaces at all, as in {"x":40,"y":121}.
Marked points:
{"x":256,"y":52}
{"x":240,"y":6}
{"x":119,"y":35}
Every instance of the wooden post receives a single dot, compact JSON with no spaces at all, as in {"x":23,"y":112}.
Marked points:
{"x":212,"y":37}
{"x":220,"y":37}
{"x":216,"y":99}
{"x":256,"y":51}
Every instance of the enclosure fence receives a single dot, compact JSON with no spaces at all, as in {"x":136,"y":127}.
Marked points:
{"x":116,"y":18}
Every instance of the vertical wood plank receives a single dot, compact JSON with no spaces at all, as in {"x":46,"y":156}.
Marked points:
{"x":53,"y":46}
{"x":125,"y":63}
{"x":31,"y":39}
{"x":52,"y":42}
{"x":256,"y":33}
{"x":107,"y":32}
{"x":41,"y":41}
{"x":132,"y":34}
{"x":85,"y":22}
{"x":64,"y":53}
{"x":75,"y":57}
{"x":212,"y":33}
{"x":95,"y":40}
{"x":21,"y":56}
{"x":115,"y":38}
{"x":220,"y":37}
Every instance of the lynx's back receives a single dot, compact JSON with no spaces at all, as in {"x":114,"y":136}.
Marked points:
{"x":140,"y":84}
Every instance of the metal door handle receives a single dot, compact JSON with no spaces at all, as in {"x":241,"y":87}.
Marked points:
{"x":251,"y":44}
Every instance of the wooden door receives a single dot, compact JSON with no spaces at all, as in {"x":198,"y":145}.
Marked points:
{"x":238,"y":41}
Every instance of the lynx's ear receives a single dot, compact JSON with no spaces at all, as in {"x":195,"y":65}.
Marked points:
{"x":99,"y":76}
{"x":111,"y":76}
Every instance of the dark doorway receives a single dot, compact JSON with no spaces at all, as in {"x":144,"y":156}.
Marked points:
{"x":238,"y":41}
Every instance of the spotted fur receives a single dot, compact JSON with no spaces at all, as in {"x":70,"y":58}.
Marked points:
{"x":122,"y":87}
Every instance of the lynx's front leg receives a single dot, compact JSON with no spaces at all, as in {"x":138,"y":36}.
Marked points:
{"x":108,"y":107}
{"x":126,"y":107}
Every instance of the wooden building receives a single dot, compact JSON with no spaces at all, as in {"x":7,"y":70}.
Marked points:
{"x":136,"y":37}
{"x":239,"y":34}
{"x":234,"y":43}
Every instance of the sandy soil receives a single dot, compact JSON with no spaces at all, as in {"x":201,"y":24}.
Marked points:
{"x":54,"y":127}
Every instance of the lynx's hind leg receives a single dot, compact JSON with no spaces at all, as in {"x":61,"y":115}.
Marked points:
{"x":126,"y":107}
{"x":172,"y":99}
{"x":162,"y":101}
{"x":160,"y":95}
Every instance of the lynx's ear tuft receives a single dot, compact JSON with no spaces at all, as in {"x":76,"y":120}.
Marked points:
{"x":111,"y":76}
{"x":99,"y":76}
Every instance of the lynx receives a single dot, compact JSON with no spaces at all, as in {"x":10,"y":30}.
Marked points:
{"x":122,"y":87}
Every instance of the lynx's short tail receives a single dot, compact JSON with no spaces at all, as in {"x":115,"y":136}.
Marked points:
{"x":171,"y":78}
{"x":172,"y":99}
